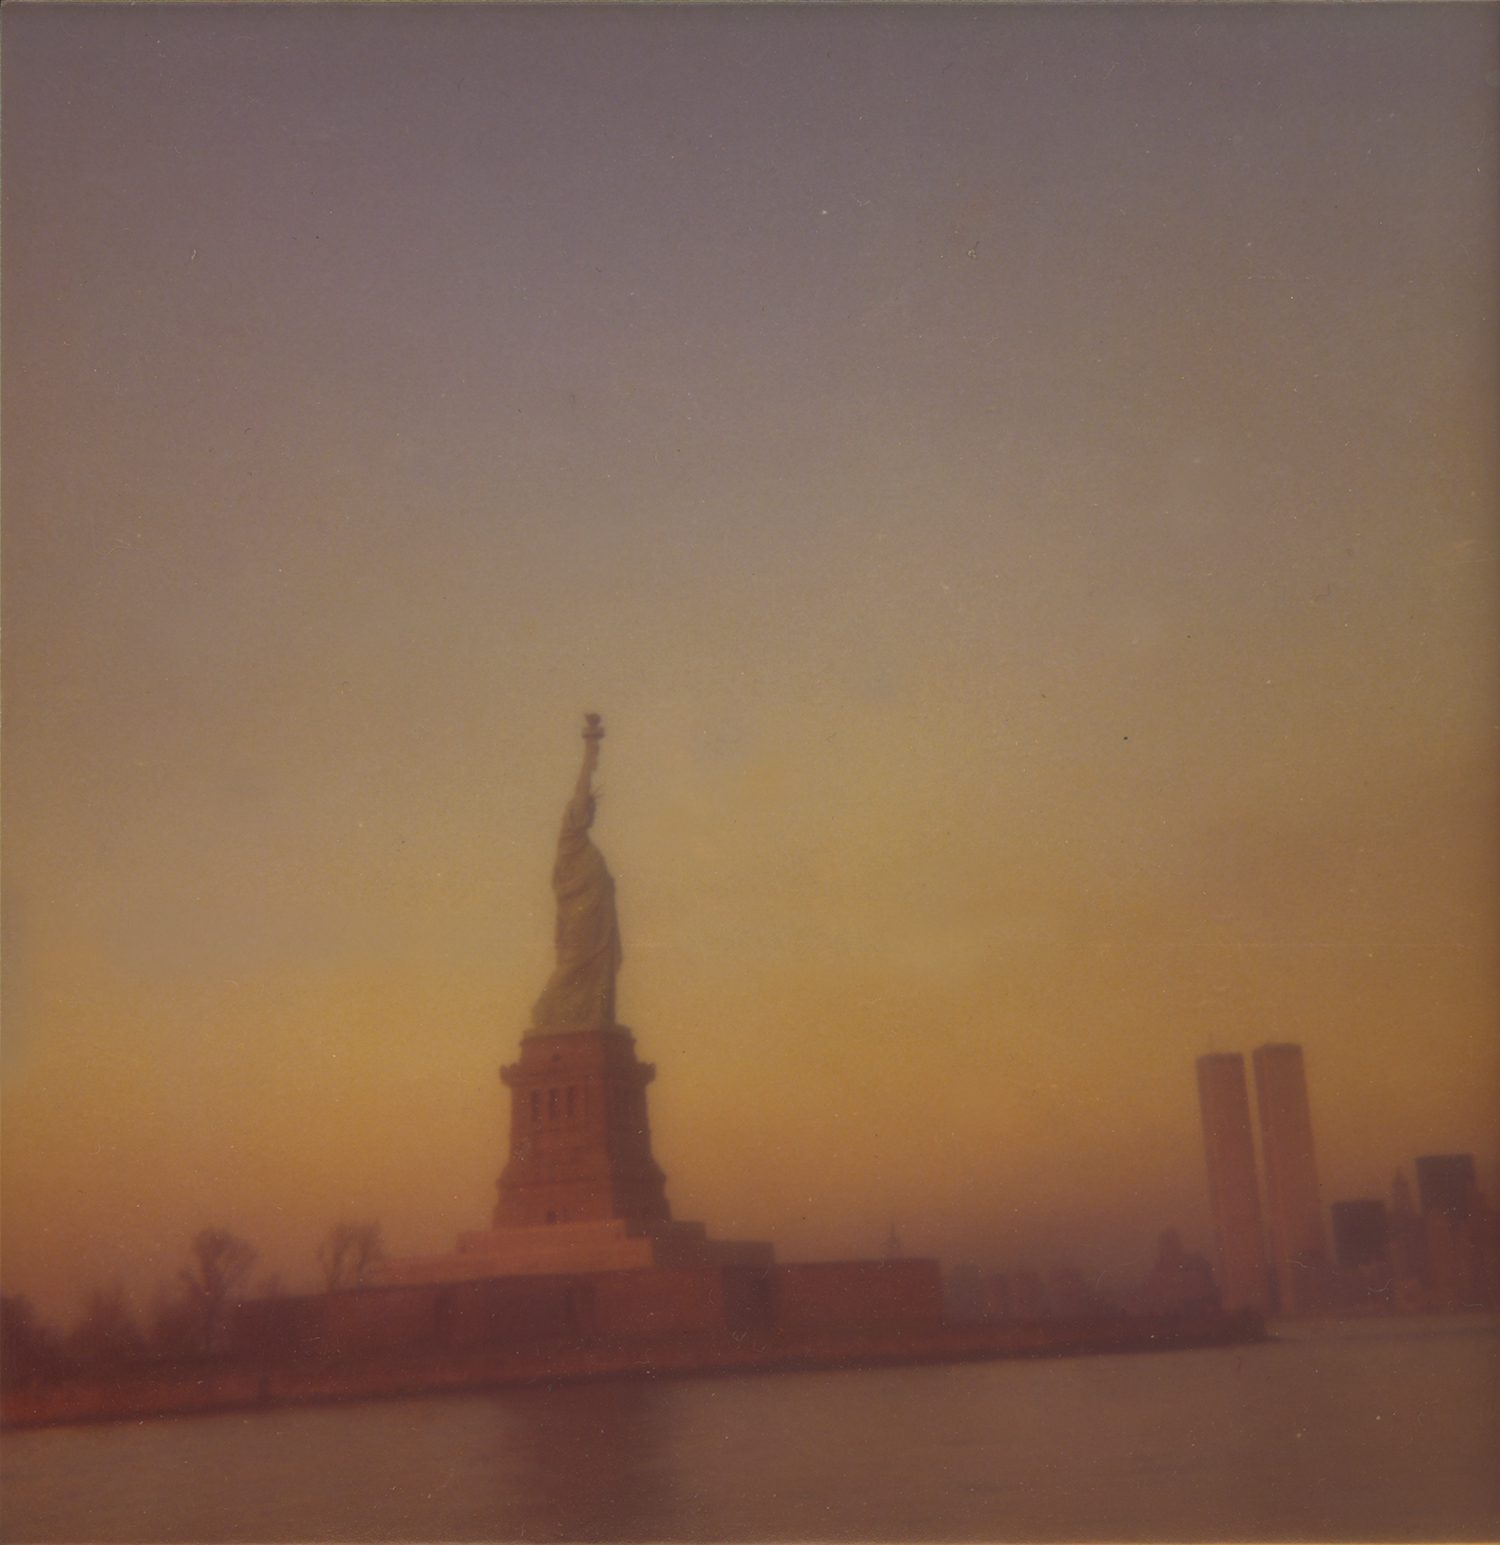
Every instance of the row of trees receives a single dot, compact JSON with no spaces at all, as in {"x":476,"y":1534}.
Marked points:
{"x":190,"y":1318}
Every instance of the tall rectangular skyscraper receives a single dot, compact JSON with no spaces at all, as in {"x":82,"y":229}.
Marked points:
{"x":1444,"y":1181}
{"x":1229,"y":1148}
{"x":1293,"y":1202}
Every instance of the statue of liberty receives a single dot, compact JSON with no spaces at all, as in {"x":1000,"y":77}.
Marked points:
{"x":581,"y":992}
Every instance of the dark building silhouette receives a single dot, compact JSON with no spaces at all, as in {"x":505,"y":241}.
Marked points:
{"x":970,"y":1295}
{"x":1444,"y":1183}
{"x":1447,"y":1258}
{"x":1359,"y":1232}
{"x":1069,"y":1296}
{"x":1405,"y":1249}
{"x":963,"y":1292}
{"x":1180,"y":1282}
{"x":1028,"y":1298}
{"x":997,"y":1298}
{"x":1229,"y":1150}
{"x":1460,"y":1235}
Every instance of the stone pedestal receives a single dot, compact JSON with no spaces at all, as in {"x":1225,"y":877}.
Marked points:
{"x":580,"y":1141}
{"x":581,"y":1191}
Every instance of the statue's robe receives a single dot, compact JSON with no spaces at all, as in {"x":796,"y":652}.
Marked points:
{"x":581,"y":992}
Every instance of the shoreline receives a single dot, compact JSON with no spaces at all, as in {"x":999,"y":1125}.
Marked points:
{"x":229,"y":1385}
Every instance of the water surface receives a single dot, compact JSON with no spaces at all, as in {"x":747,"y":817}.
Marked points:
{"x":1375,"y":1431}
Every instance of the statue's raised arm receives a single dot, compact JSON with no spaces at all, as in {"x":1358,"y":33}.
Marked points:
{"x":581,"y":992}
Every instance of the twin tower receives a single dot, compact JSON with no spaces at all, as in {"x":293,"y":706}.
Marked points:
{"x":1249,"y":1275}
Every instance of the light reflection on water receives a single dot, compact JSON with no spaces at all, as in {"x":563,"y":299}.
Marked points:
{"x":1365,"y":1433}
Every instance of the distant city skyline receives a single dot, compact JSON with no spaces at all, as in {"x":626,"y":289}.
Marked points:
{"x":1278,"y":1260}
{"x":1018,"y":482}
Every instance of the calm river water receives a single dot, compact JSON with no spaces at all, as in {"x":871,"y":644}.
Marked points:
{"x":1374,"y":1431}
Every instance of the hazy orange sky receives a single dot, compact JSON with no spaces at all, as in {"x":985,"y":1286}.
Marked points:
{"x":1019,"y":484}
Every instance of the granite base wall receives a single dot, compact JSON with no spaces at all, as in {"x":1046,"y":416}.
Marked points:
{"x":517,"y":1312}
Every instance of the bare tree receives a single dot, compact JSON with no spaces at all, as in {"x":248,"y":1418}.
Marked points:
{"x":347,"y":1253}
{"x":217,"y":1278}
{"x":106,"y":1334}
{"x":28,"y":1348}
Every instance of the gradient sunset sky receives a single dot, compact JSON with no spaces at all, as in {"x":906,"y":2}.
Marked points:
{"x":1019,"y":484}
